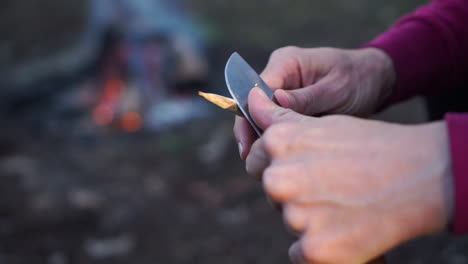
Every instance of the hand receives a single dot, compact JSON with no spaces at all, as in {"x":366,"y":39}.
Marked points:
{"x":324,"y":81}
{"x":350,"y":188}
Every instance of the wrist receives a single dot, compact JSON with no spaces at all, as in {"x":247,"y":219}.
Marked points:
{"x":427,"y":199}
{"x":439,"y":195}
{"x":384,"y":71}
{"x":377,"y":64}
{"x":441,"y":139}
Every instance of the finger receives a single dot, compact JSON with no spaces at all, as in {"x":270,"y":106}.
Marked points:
{"x":292,"y":177}
{"x":271,"y":77}
{"x":279,"y":139}
{"x":311,"y":100}
{"x":280,"y":183}
{"x":296,"y":217}
{"x":335,"y":244}
{"x":266,"y":113}
{"x":245,"y":136}
{"x":257,"y":160}
{"x":282,"y":71}
{"x":295,"y":253}
{"x":272,"y":145}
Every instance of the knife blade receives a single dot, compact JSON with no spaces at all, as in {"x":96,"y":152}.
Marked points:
{"x":240,"y":79}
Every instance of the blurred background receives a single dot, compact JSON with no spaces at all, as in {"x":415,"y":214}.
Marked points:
{"x":108,"y":156}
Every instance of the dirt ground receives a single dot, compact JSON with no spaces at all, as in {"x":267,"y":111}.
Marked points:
{"x":74,"y":194}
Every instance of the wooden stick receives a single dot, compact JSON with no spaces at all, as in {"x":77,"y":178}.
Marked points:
{"x":223,"y":102}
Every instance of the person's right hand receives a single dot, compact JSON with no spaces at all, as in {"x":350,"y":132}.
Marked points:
{"x":350,"y":188}
{"x":324,"y":81}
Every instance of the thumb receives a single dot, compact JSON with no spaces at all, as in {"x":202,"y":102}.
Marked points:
{"x":266,"y":113}
{"x":310,"y":100}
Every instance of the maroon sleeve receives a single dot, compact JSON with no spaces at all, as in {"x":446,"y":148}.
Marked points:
{"x":458,"y":132}
{"x":429,"y":48}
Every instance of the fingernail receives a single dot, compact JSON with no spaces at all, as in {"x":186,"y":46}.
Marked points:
{"x":241,"y":149}
{"x":259,"y":91}
{"x":283,"y":98}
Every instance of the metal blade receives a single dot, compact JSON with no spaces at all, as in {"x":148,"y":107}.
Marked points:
{"x":240,"y":79}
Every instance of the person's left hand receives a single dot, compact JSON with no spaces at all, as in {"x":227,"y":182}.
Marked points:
{"x":350,"y":188}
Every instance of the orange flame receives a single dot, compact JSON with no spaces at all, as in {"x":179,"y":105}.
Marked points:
{"x":131,"y":122}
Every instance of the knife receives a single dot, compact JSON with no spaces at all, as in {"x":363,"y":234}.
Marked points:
{"x":240,"y":79}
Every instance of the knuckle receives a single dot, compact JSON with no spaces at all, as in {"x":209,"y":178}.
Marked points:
{"x":278,"y":185}
{"x":283,"y":114}
{"x":272,"y":182}
{"x":285,"y":50}
{"x":271,"y":178}
{"x":256,"y":161}
{"x":271,"y":139}
{"x":295,"y":218}
{"x":313,"y":253}
{"x":278,"y":138}
{"x":320,"y":251}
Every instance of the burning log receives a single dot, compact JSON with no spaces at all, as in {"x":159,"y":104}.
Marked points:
{"x":223,"y":102}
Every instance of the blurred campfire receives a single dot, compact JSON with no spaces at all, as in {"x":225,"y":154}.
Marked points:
{"x":146,"y":64}
{"x":132,"y":66}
